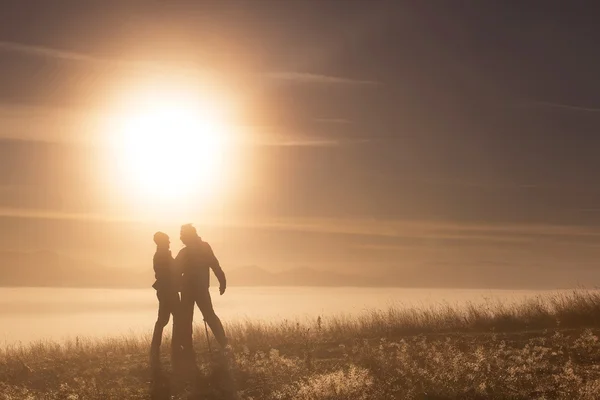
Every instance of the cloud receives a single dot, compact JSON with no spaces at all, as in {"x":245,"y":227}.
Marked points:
{"x":435,"y":240}
{"x":304,"y":77}
{"x":49,"y":124}
{"x":49,"y":52}
{"x":285,"y":137}
{"x":29,"y":213}
{"x":66,"y":55}
{"x":427,"y":229}
{"x":303,"y":143}
{"x":569,"y":107}
{"x":495,"y":185}
{"x":390,"y":229}
{"x":65,"y":125}
{"x":341,"y":121}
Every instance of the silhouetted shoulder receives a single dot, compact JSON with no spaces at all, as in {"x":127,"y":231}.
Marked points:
{"x":182,"y":253}
{"x":162,"y":258}
{"x":208,"y":251}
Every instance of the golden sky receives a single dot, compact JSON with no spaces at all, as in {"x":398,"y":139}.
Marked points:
{"x":370,"y":139}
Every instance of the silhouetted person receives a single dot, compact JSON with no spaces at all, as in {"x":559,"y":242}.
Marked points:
{"x":167,"y":290}
{"x":196,"y":260}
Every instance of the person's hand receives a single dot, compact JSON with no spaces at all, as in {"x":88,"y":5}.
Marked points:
{"x":222,"y":289}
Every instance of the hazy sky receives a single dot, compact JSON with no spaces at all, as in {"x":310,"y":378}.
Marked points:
{"x":376,"y":136}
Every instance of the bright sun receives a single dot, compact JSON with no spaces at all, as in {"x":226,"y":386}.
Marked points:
{"x":171,"y":147}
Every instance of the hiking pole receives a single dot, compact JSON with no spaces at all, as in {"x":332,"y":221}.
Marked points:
{"x":207,"y":337}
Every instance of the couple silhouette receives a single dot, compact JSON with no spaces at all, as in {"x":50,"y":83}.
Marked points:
{"x":188,"y":274}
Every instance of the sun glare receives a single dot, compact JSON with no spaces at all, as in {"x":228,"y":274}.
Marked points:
{"x":171,"y":148}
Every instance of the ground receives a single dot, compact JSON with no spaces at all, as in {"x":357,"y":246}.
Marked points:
{"x":544,"y":349}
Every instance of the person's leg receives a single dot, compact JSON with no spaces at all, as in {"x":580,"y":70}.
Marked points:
{"x":186,"y":318}
{"x":175,"y":309}
{"x":205,"y":305}
{"x":164,"y":313}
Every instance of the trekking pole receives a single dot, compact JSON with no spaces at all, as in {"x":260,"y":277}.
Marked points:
{"x":207,"y":337}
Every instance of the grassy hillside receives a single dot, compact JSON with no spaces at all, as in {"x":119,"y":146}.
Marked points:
{"x":545,"y":348}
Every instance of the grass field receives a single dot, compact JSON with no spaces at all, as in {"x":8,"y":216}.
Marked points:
{"x":545,"y":348}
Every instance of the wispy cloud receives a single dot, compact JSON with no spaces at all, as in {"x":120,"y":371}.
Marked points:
{"x":530,"y":186}
{"x":66,"y":55}
{"x":285,"y":136}
{"x":442,"y":229}
{"x":78,"y":126}
{"x":568,"y":107}
{"x":303,"y":143}
{"x":288,"y":142}
{"x":49,"y":52}
{"x":303,"y":77}
{"x":391,"y":229}
{"x":435,"y":239}
{"x":340,"y":121}
{"x":30,"y":213}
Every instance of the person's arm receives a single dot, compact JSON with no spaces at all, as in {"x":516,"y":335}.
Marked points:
{"x":216,"y":267}
{"x":156,"y":267}
{"x":176,"y":270}
{"x":178,"y":262}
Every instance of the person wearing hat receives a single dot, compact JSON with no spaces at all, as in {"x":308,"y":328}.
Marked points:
{"x":195,"y":261}
{"x":167,"y":291}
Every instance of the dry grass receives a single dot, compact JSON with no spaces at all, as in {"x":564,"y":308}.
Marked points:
{"x":546,"y":348}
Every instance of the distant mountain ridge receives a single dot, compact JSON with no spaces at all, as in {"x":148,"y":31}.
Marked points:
{"x":256,"y":276}
{"x":50,"y":269}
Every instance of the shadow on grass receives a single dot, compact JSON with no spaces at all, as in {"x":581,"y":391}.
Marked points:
{"x":160,"y":385}
{"x":210,"y":377}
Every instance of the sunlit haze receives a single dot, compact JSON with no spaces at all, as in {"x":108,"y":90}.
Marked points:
{"x":299,"y":199}
{"x":172,"y":149}
{"x":376,"y":144}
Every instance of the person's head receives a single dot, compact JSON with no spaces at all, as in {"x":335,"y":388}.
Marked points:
{"x":162,"y":240}
{"x":188,"y":234}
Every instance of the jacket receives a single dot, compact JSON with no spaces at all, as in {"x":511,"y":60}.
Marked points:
{"x":165,"y":271}
{"x":195,"y":261}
